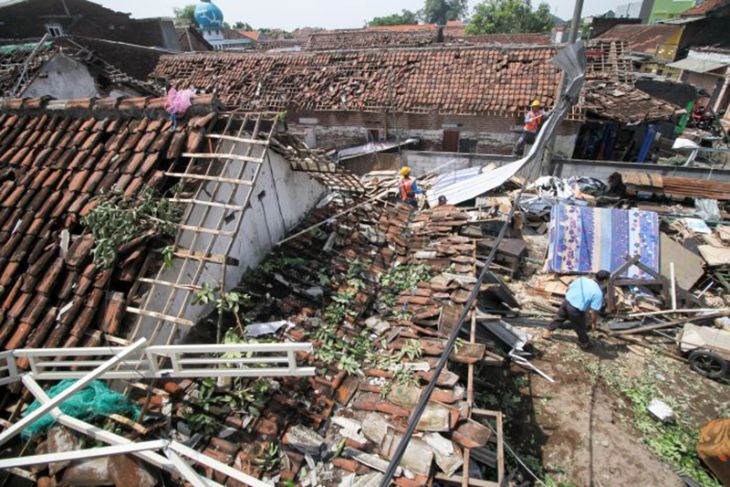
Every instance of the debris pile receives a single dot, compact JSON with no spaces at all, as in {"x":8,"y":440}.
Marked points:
{"x":377,"y":292}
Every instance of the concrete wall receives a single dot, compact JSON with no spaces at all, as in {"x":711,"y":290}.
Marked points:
{"x":488,"y":134}
{"x":280,"y":199}
{"x":63,"y":78}
{"x":603,"y":169}
{"x":424,"y":162}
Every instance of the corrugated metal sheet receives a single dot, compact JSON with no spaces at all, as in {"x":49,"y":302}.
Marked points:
{"x":572,"y":61}
{"x":677,"y":186}
{"x":697,"y":65}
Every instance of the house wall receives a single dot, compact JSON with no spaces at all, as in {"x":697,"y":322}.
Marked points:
{"x":423,"y":162}
{"x":490,"y":134}
{"x":712,"y":84}
{"x":667,"y":9}
{"x":28,"y":19}
{"x":63,"y":78}
{"x":709,"y":31}
{"x":279,"y":200}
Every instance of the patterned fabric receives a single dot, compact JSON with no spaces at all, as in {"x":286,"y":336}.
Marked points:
{"x":585,"y":240}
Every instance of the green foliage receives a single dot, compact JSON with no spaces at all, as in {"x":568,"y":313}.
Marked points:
{"x":402,"y":278}
{"x":673,"y":443}
{"x":229,"y":301}
{"x":245,"y":396}
{"x":396,"y":364}
{"x":405,"y":277}
{"x":557,"y":482}
{"x":242,"y":26}
{"x":185,"y":15}
{"x":406,"y":17}
{"x":202,"y":423}
{"x":271,"y":459}
{"x":205,"y":295}
{"x":509,"y":16}
{"x":441,"y":11}
{"x":168,"y":256}
{"x":282,"y":263}
{"x":118,"y":219}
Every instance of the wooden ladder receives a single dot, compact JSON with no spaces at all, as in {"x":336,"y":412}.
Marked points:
{"x":226,"y":175}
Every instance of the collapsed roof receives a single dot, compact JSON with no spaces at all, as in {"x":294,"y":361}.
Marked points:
{"x":460,"y":81}
{"x":482,"y":80}
{"x":371,"y":38}
{"x":60,"y":160}
{"x":57,"y":160}
{"x":26,"y":61}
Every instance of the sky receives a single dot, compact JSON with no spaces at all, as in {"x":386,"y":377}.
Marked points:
{"x":330,"y":14}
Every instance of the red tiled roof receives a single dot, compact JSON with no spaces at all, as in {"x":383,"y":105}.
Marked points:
{"x":460,"y":81}
{"x":251,"y":34}
{"x":455,"y":28}
{"x":12,"y":65}
{"x":55,"y":161}
{"x":705,"y":7}
{"x":370,"y":38}
{"x":404,"y":27}
{"x":641,"y":37}
{"x":522,"y":38}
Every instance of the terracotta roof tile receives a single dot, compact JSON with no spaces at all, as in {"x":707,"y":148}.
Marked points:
{"x":57,"y":163}
{"x":371,"y":38}
{"x":705,"y":7}
{"x":464,"y":80}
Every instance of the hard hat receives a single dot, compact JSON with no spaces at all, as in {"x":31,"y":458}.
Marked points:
{"x":535,"y":104}
{"x":405,"y":171}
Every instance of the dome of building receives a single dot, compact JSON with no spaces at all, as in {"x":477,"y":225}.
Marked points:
{"x":208,"y":16}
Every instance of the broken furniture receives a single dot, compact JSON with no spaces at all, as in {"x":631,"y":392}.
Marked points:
{"x":656,"y":281}
{"x":510,"y":253}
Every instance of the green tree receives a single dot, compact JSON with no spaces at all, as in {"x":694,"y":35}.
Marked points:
{"x":242,"y":25}
{"x":406,"y":17}
{"x":509,"y":16}
{"x":185,"y":15}
{"x":441,"y":11}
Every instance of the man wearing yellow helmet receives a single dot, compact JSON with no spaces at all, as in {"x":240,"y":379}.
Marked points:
{"x":408,"y":187}
{"x":533,"y":119}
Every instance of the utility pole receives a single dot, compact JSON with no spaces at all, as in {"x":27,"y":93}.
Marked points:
{"x":577,"y":14}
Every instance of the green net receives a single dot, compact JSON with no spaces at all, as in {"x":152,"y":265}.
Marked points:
{"x":28,"y":47}
{"x":94,"y":401}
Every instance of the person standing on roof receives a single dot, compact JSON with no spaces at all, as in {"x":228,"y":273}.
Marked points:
{"x":533,"y":120}
{"x":408,"y":188}
{"x":584,"y":297}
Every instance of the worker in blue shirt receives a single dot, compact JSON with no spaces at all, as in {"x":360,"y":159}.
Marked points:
{"x":584,"y":297}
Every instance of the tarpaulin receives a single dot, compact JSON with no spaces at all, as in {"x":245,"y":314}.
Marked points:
{"x":585,"y":240}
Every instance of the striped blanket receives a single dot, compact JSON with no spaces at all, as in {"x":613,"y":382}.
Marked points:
{"x":585,"y":240}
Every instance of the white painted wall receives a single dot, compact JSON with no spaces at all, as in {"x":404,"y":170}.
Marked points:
{"x":63,"y":78}
{"x":280,"y":199}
